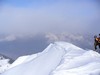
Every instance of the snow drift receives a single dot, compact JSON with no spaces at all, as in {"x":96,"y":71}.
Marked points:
{"x":59,"y":58}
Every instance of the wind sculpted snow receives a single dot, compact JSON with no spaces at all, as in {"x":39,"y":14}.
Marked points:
{"x":42,"y":65}
{"x":59,"y":58}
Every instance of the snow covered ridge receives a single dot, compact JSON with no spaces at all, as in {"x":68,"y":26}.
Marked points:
{"x":59,"y":58}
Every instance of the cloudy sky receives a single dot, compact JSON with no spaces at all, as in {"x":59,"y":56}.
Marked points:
{"x":57,"y":19}
{"x":36,"y":16}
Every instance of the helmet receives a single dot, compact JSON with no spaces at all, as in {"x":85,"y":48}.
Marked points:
{"x":95,"y":36}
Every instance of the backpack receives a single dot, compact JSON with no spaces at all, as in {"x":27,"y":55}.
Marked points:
{"x":98,"y":40}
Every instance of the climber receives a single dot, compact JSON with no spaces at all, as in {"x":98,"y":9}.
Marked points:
{"x":96,"y":42}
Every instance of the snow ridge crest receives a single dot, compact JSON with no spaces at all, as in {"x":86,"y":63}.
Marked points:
{"x":59,"y":58}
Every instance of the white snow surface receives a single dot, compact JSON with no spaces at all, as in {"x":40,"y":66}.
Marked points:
{"x":59,"y":58}
{"x":4,"y":64}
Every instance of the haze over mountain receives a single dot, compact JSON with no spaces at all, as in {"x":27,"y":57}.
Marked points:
{"x":14,"y":46}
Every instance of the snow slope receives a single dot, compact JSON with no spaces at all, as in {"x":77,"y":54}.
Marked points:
{"x":59,"y":58}
{"x":4,"y":64}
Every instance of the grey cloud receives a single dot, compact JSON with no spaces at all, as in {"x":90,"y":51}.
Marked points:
{"x":64,"y":37}
{"x":58,"y":17}
{"x":8,"y":38}
{"x":84,"y":41}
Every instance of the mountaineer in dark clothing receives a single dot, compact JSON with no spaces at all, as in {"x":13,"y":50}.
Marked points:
{"x":96,"y":42}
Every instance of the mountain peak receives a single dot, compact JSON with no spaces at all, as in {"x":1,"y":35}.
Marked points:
{"x":59,"y":58}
